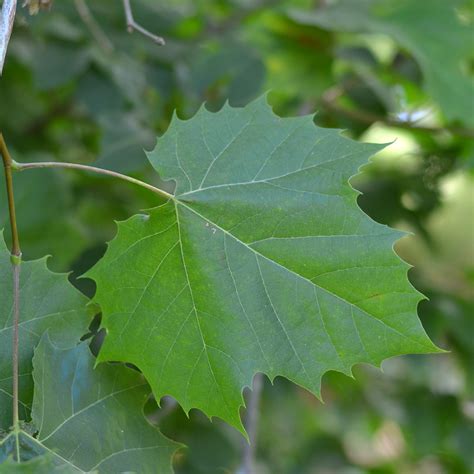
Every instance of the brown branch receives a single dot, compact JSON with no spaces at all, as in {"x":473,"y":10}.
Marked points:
{"x":132,"y":25}
{"x":8,"y":164}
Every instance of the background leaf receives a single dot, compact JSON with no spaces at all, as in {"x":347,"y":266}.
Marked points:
{"x":53,"y":202}
{"x":91,"y":420}
{"x":445,"y":64}
{"x":47,"y":302}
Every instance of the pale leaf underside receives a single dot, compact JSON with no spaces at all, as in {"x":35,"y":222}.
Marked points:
{"x":88,"y":420}
{"x":47,"y":302}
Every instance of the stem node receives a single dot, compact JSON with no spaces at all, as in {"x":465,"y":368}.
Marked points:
{"x":15,"y":259}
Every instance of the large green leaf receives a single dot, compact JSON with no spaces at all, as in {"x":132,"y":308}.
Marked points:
{"x":430,"y":30}
{"x":47,"y":301}
{"x":262,"y":262}
{"x":89,"y":420}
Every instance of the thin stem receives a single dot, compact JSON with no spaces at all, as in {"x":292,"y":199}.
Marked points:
{"x":251,"y":425}
{"x":7,"y":17}
{"x":16,"y":341}
{"x":17,"y":444}
{"x":8,"y":165}
{"x":92,"y":169}
{"x":16,"y":261}
{"x":132,"y":25}
{"x":96,"y":31}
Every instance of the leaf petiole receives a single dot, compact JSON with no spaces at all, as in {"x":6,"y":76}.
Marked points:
{"x":57,"y":164}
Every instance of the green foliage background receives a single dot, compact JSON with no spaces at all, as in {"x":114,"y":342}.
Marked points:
{"x":362,"y":65}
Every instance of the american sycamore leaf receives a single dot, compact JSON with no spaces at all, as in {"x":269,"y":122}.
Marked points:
{"x":89,"y":420}
{"x":47,"y":302}
{"x":261,"y":262}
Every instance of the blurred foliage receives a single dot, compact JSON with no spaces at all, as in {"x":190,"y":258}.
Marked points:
{"x":382,"y":70}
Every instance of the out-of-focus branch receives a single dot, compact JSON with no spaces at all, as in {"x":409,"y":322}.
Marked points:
{"x":132,"y":25}
{"x":93,"y":26}
{"x":329,"y":102}
{"x":237,"y":18}
{"x":7,"y":17}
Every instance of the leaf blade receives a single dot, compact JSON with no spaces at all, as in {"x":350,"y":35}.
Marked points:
{"x":217,"y":283}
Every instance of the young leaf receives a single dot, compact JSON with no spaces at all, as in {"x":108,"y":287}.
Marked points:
{"x":47,"y":301}
{"x":262,"y":262}
{"x":90,"y":420}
